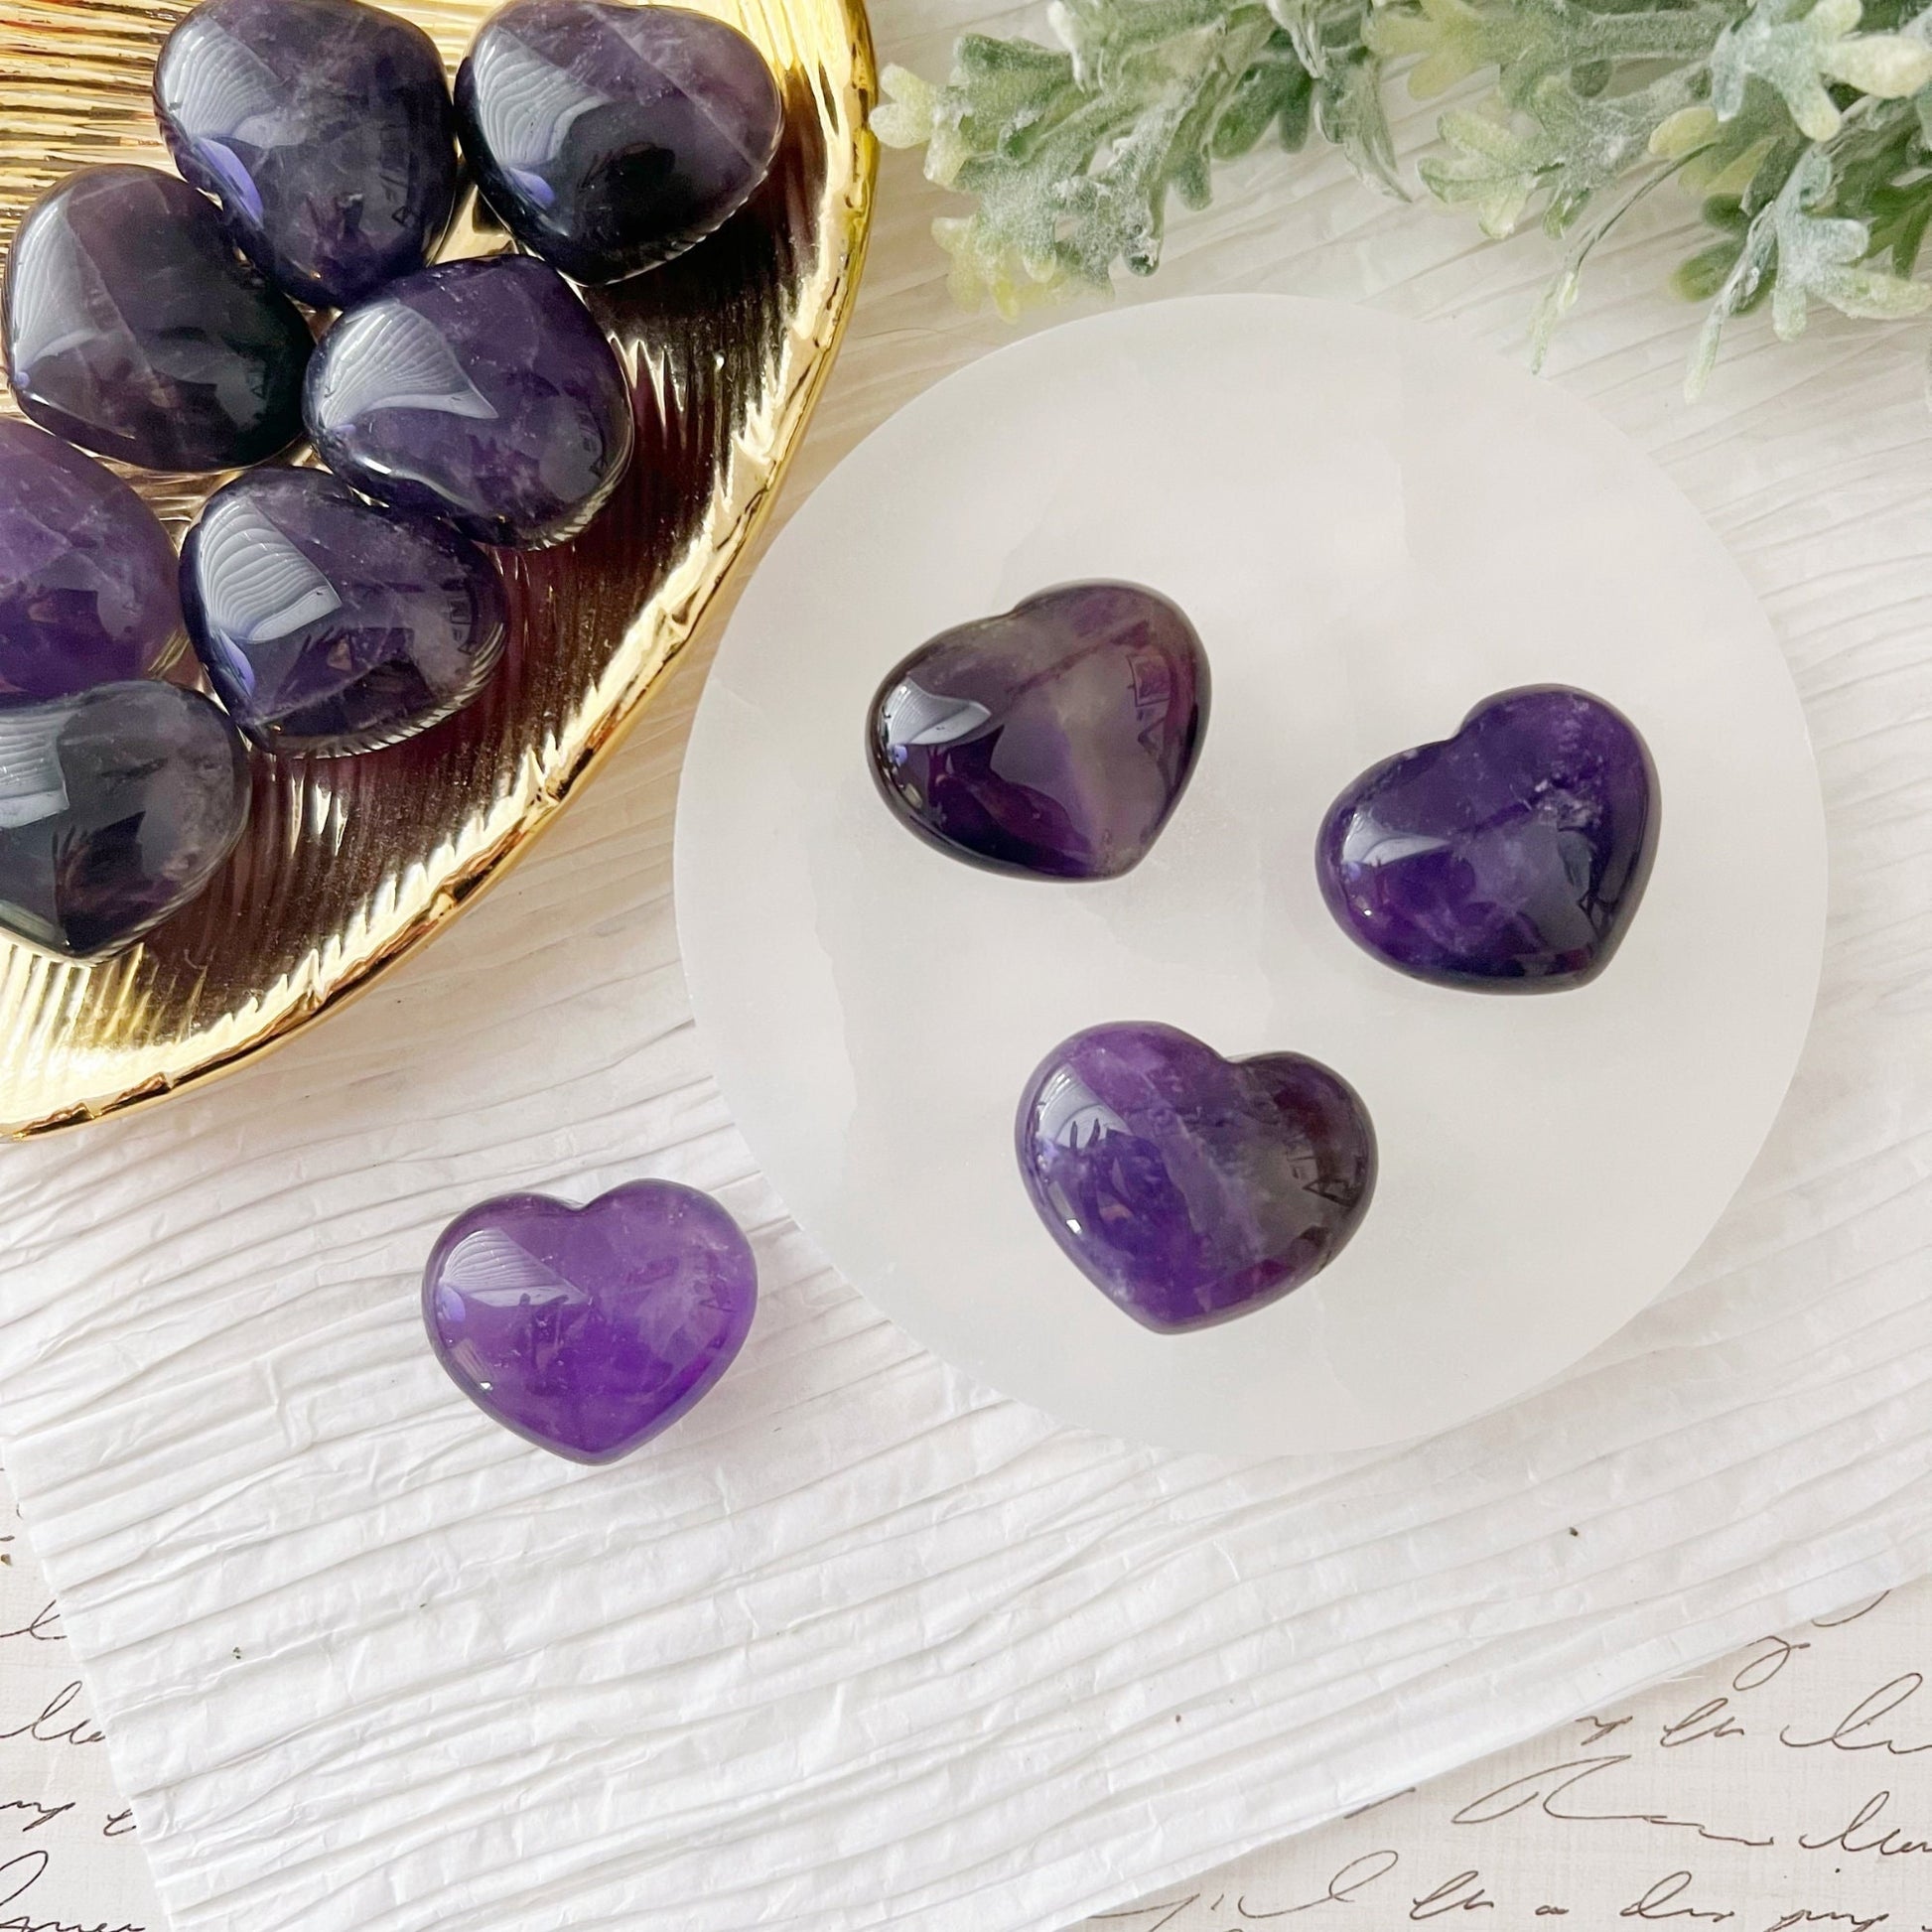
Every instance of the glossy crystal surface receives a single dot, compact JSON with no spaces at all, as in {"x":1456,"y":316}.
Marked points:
{"x":1054,"y":740}
{"x":116,"y":806}
{"x":611,"y":138}
{"x":1188,"y":1188}
{"x":86,"y":571}
{"x":327,"y":625}
{"x":481,"y":392}
{"x":1510,"y":858}
{"x":135,"y":330}
{"x":590,"y":1329}
{"x":348,"y":865}
{"x":325,"y":129}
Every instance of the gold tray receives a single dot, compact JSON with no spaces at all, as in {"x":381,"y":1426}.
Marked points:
{"x":348,"y":864}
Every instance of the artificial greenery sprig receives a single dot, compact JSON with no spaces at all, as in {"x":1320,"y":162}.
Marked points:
{"x":1804,"y":126}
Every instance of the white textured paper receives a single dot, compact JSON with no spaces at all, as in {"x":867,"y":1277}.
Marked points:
{"x":1786,"y":1786}
{"x":70,"y":1859}
{"x":862,"y":1644}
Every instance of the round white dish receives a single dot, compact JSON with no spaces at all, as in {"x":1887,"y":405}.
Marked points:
{"x":1373,"y":527}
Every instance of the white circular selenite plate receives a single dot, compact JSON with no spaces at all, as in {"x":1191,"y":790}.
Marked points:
{"x":1373,"y":528}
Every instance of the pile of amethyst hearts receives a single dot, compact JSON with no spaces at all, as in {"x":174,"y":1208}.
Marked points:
{"x":1055,"y":742}
{"x":154,"y":320}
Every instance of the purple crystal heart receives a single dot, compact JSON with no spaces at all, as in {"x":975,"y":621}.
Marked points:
{"x":1190,"y":1189}
{"x":481,"y":392}
{"x":322,"y":127}
{"x":327,"y":625}
{"x":611,"y":138}
{"x":135,"y":330}
{"x":86,"y":572}
{"x":1510,"y":858}
{"x":590,"y":1329}
{"x":1052,"y":741}
{"x":117,"y":807}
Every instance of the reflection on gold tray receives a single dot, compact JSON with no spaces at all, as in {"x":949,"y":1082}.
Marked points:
{"x":350,"y":863}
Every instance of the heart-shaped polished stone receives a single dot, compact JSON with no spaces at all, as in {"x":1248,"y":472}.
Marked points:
{"x":481,"y":392}
{"x":608,"y":137}
{"x":1053,"y":741}
{"x":327,"y":625}
{"x":86,"y":572}
{"x":117,"y":807}
{"x":1190,"y":1189}
{"x":1510,"y":858}
{"x":590,"y":1329}
{"x":135,"y":330}
{"x":324,"y":128}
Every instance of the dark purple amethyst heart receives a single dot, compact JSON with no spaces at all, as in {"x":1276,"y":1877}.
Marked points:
{"x":1510,"y":858}
{"x":1190,"y":1189}
{"x":611,"y":138}
{"x":324,"y":128}
{"x":481,"y":392}
{"x":86,"y":572}
{"x":327,"y":625}
{"x":117,"y":807}
{"x":590,"y":1329}
{"x":135,"y":330}
{"x":1053,"y":741}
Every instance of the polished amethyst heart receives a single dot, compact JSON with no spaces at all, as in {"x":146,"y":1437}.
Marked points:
{"x":326,"y":626}
{"x":86,"y":572}
{"x":1053,"y":741}
{"x":481,"y":392}
{"x":135,"y":330}
{"x":117,"y":807}
{"x":1510,"y":858}
{"x":1190,"y":1189}
{"x":324,"y":128}
{"x":590,"y":1329}
{"x":609,"y":138}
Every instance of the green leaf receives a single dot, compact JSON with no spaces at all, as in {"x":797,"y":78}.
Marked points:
{"x":1349,"y":111}
{"x":1802,"y":49}
{"x":1804,"y":125}
{"x":905,"y":118}
{"x":1899,"y":219}
{"x":1275,"y":92}
{"x":1072,"y":156}
{"x":1529,"y":41}
{"x":1489,"y":167}
{"x":1700,"y":277}
{"x":1805,"y":256}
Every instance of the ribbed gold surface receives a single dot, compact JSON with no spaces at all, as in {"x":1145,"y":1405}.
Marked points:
{"x":348,"y":864}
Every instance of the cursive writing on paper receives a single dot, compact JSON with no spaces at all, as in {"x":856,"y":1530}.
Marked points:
{"x":69,"y":1860}
{"x":1787,"y":1788}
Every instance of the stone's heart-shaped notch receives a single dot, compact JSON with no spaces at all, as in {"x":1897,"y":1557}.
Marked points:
{"x":481,"y":392}
{"x":1190,"y":1189}
{"x":1510,"y":858}
{"x":1053,"y":741}
{"x":116,"y":806}
{"x":611,"y":138}
{"x":324,"y":128}
{"x":590,"y":1329}
{"x":327,"y":625}
{"x":86,"y":572}
{"x":135,"y":330}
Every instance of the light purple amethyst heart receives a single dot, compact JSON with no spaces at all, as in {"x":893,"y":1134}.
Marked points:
{"x":590,"y":1329}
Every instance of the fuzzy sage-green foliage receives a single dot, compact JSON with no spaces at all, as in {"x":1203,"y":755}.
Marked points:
{"x":1803,"y":128}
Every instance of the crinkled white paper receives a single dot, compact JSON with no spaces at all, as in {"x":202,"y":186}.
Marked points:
{"x":862,"y":1644}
